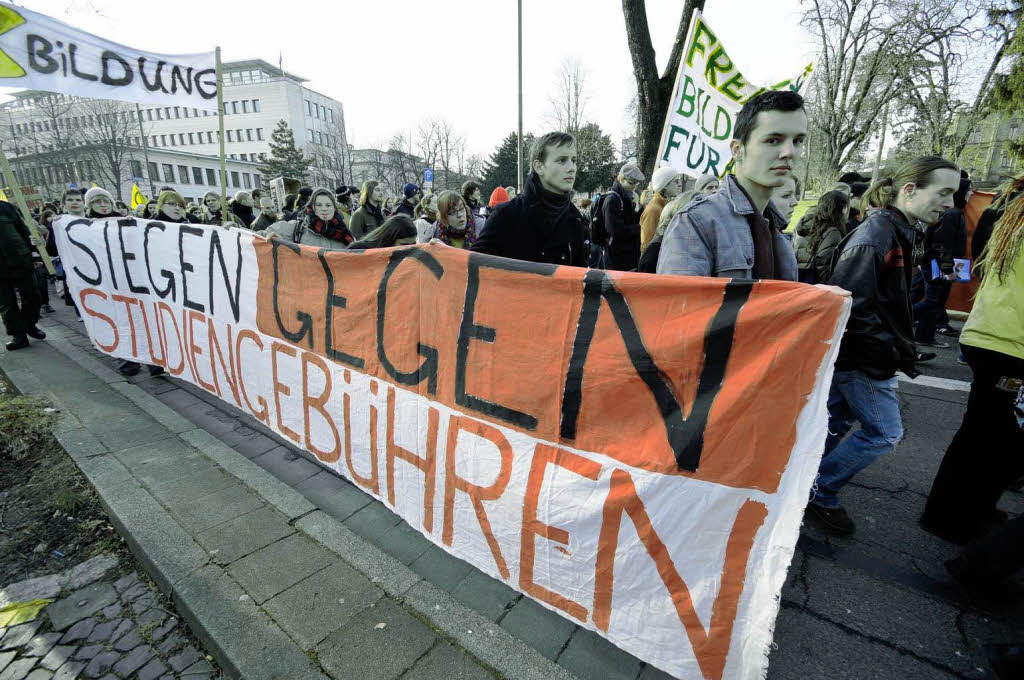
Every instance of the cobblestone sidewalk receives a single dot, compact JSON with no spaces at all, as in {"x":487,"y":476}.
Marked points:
{"x":98,"y":624}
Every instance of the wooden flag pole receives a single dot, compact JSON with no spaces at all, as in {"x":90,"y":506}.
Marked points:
{"x":19,"y":200}
{"x":223,"y":162}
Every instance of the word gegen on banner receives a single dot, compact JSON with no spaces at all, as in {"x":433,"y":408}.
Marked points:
{"x":518,"y":446}
{"x":708,"y":95}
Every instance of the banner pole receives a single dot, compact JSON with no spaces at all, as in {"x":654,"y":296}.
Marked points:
{"x":223,"y":162}
{"x":19,"y":200}
{"x":145,"y":153}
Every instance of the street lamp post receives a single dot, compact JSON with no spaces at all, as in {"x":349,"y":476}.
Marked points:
{"x":519,"y":145}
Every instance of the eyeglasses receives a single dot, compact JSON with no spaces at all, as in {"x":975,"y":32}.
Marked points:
{"x":175,"y":205}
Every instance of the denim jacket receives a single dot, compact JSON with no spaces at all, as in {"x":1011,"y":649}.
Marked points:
{"x":711,"y":236}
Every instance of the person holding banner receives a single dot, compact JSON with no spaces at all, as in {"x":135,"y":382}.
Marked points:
{"x":455,"y":226}
{"x":319,"y":224}
{"x":17,"y":279}
{"x":99,"y":204}
{"x":737,"y":231}
{"x":541,"y":224}
{"x":211,"y":211}
{"x":874,"y":264}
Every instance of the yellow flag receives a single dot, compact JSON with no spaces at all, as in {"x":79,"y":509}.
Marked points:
{"x":3,"y":195}
{"x":137,"y":197}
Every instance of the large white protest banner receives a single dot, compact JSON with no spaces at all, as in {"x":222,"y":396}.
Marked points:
{"x":708,"y":94}
{"x":40,"y":53}
{"x":632,"y":451}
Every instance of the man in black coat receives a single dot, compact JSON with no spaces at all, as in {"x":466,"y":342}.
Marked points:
{"x":622,"y":219}
{"x":17,"y":279}
{"x":541,"y":224}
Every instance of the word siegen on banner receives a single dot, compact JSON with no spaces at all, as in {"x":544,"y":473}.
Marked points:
{"x":632,"y":451}
{"x":38,"y":52}
{"x":709,"y":93}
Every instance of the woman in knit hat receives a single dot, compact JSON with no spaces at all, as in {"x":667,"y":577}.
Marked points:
{"x":319,"y":225}
{"x":99,"y":204}
{"x":707,"y":184}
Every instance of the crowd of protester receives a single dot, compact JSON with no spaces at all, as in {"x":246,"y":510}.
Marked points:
{"x":893,"y":245}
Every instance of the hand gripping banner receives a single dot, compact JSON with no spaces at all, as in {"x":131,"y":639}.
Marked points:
{"x":38,"y":52}
{"x":632,"y":451}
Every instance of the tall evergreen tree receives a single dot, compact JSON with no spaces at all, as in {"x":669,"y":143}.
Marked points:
{"x":285,"y":160}
{"x":595,"y":159}
{"x":502,"y":166}
{"x":1008,"y":94}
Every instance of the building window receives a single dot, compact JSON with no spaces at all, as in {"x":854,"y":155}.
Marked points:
{"x":181,"y":139}
{"x":163,"y":140}
{"x":136,"y":168}
{"x":257,"y":181}
{"x":227,"y":108}
{"x":330,"y":115}
{"x":1014,"y":131}
{"x":168,"y":172}
{"x":153,"y":141}
{"x":177,"y":112}
{"x":183,"y":174}
{"x":259,"y":134}
{"x":238,"y":135}
{"x":309,"y":108}
{"x":309,"y":135}
{"x":191,"y":138}
{"x":234,"y":179}
{"x":233,"y":156}
{"x":1006,"y":159}
{"x":149,"y":114}
{"x":243,"y":156}
{"x":229,"y":136}
{"x":246,"y":181}
{"x":209,"y":138}
{"x":173,"y":143}
{"x":319,"y":138}
{"x":153,"y":174}
{"x":211,"y":177}
{"x":255,"y":105}
{"x":185,"y":111}
{"x":197,"y":175}
{"x":245,"y":106}
{"x":234,"y":107}
{"x":248,"y":134}
{"x":159,"y":115}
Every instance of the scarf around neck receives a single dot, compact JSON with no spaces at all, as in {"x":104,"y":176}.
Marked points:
{"x":333,"y":229}
{"x":445,"y":233}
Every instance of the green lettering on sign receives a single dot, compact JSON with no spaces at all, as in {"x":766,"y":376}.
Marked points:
{"x":699,"y":30}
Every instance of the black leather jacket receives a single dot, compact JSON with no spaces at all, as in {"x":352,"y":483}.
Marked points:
{"x":874,"y":264}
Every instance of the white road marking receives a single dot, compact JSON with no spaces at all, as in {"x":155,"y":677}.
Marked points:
{"x":940,"y":383}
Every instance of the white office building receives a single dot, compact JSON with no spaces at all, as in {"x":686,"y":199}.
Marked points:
{"x":257,"y":95}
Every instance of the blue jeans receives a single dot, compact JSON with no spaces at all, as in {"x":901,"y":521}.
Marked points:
{"x":856,"y":398}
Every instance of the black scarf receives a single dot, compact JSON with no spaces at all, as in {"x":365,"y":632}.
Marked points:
{"x":552,"y":206}
{"x":93,"y":215}
{"x":375,"y":211}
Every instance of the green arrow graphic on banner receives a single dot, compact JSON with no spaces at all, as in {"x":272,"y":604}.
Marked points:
{"x":8,"y":67}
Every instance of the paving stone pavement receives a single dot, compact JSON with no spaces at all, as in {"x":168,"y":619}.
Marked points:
{"x":877,"y":605}
{"x":96,"y":627}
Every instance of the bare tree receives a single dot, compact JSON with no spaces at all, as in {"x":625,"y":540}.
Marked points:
{"x":569,"y":99}
{"x":108,"y":133}
{"x":866,"y":48}
{"x":332,"y":157}
{"x":653,"y":91}
{"x":405,"y":168}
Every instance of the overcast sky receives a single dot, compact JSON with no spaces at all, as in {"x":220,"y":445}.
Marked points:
{"x":392,"y":63}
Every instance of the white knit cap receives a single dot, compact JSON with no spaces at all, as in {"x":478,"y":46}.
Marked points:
{"x":96,"y":192}
{"x":662,"y":176}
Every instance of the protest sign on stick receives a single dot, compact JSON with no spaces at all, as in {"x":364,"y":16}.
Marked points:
{"x":631,"y":451}
{"x":708,"y":94}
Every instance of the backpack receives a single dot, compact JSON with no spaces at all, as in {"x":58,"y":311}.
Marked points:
{"x":598,"y":230}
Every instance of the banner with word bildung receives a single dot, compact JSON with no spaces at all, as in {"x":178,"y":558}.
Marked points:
{"x":708,"y":95}
{"x":632,"y":451}
{"x":38,"y":52}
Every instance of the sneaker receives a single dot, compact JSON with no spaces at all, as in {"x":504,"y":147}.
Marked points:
{"x":925,"y":356}
{"x":48,"y":309}
{"x":19,"y":342}
{"x":36,"y":333}
{"x":934,"y":343}
{"x":948,"y":330}
{"x":833,"y":520}
{"x":156,"y":370}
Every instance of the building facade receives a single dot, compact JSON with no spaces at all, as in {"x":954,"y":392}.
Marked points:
{"x":257,"y":96}
{"x":988,"y":156}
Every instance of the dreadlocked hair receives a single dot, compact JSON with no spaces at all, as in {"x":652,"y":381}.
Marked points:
{"x":1007,"y":239}
{"x":1007,"y":192}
